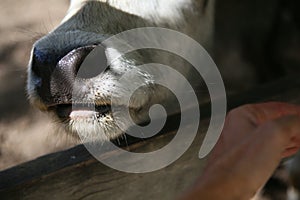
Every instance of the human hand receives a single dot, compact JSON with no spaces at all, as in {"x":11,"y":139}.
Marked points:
{"x":253,"y":141}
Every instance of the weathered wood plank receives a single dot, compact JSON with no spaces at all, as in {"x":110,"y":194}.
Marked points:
{"x":90,"y":179}
{"x":74,"y":174}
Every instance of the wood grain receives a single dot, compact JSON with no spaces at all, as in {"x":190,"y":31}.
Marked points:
{"x":75,"y":174}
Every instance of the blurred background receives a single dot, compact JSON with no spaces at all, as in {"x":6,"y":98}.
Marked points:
{"x":255,"y":42}
{"x":25,"y":133}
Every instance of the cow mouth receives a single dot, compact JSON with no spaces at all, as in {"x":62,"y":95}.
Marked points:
{"x":75,"y":111}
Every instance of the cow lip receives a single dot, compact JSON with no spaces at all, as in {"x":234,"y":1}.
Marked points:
{"x":67,"y":111}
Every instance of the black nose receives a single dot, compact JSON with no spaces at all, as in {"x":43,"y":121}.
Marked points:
{"x":55,"y":74}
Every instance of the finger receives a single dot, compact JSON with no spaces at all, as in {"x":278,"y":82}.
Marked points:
{"x":290,"y":151}
{"x":264,"y":112}
{"x":284,"y":132}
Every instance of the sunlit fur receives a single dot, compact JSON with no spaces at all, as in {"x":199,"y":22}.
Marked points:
{"x":90,"y":22}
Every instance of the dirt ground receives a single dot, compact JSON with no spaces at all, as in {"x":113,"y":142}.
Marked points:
{"x":25,"y":133}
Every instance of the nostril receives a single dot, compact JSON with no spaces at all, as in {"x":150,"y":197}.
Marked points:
{"x":84,"y":62}
{"x":93,"y":62}
{"x":40,"y":56}
{"x":42,"y":62}
{"x":36,"y":57}
{"x":53,"y":74}
{"x":36,"y":80}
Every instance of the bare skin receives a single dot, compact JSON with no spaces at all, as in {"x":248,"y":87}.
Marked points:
{"x":254,"y":140}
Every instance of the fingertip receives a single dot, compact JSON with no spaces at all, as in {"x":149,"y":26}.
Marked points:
{"x":285,"y":132}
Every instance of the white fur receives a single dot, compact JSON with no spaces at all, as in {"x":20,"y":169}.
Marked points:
{"x":154,"y":10}
{"x":91,"y":22}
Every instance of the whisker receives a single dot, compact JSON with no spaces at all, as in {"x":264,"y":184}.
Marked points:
{"x":125,"y":138}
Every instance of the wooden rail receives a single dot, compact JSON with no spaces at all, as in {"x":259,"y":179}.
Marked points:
{"x":75,"y":174}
